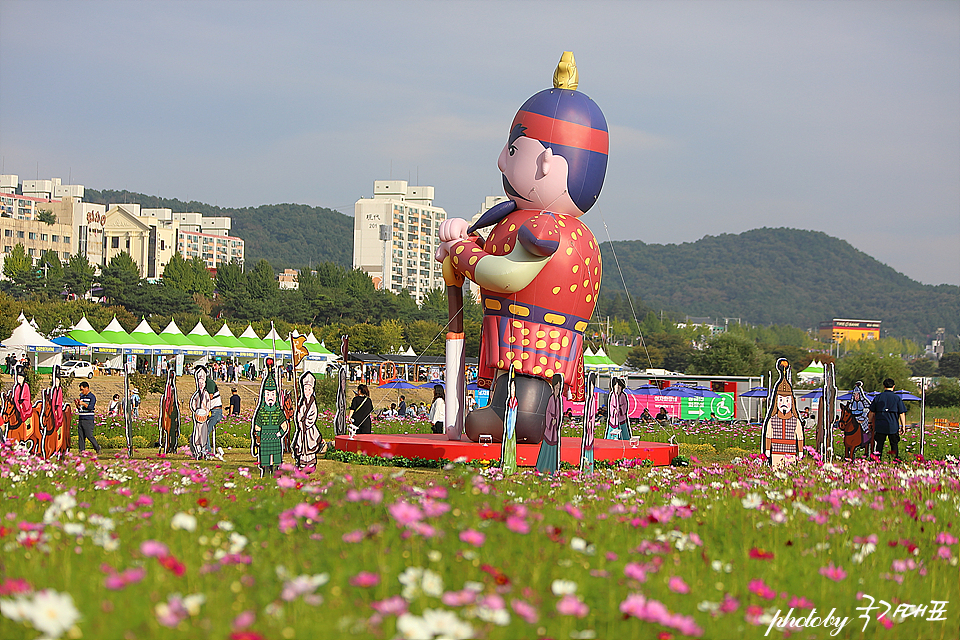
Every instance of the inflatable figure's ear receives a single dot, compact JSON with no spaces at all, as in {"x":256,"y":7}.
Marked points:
{"x":544,"y":161}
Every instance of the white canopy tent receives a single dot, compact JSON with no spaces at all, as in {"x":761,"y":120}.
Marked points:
{"x":26,"y":340}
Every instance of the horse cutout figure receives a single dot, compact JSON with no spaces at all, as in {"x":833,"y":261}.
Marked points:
{"x":169,"y":415}
{"x":55,"y":418}
{"x":853,"y":435}
{"x":858,"y":407}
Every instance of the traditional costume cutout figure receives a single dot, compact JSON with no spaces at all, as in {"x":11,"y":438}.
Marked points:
{"x":169,"y":415}
{"x":269,"y":425}
{"x":127,"y":409}
{"x":55,"y":418}
{"x":308,"y":442}
{"x":618,"y":412}
{"x":340,"y":418}
{"x":539,"y":267}
{"x":548,"y":460}
{"x":508,"y":451}
{"x":18,"y":415}
{"x":782,"y":429}
{"x":589,"y":425}
{"x":200,"y":407}
{"x":859,"y":406}
{"x":826,"y":413}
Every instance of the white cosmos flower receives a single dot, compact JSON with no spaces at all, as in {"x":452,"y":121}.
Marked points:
{"x":441,"y":623}
{"x":184,"y":521}
{"x":752,"y":501}
{"x":52,"y":613}
{"x":432,"y":584}
{"x":563,"y":587}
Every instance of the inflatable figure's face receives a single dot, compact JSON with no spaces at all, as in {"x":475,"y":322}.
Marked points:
{"x":533,"y":176}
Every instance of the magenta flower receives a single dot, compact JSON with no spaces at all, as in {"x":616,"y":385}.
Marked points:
{"x":353,"y":536}
{"x":365,"y":579}
{"x":473,"y":537}
{"x":571,"y":605}
{"x":945,"y":538}
{"x":944,"y":553}
{"x":834,"y":573}
{"x":759,"y":588}
{"x":459,"y":598}
{"x":393,"y":606}
{"x":677,"y":585}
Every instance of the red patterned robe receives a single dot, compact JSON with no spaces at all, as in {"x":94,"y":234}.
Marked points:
{"x":541,"y":326}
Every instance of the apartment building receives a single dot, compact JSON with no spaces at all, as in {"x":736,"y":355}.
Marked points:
{"x":50,"y":216}
{"x":395,"y":237}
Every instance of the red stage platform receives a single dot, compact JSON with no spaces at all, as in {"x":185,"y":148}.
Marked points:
{"x":436,"y":446}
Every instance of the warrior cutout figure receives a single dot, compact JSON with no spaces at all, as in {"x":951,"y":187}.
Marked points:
{"x":539,"y":267}
{"x":618,"y":411}
{"x":826,"y":413}
{"x":589,"y":425}
{"x":508,"y":454}
{"x":782,"y":430}
{"x":18,"y":412}
{"x":548,"y":460}
{"x":269,"y":425}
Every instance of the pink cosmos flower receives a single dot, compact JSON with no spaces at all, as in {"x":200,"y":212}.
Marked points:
{"x":433,"y":508}
{"x":834,"y":573}
{"x":244,"y":620}
{"x":470,"y":536}
{"x":365,"y":579}
{"x":945,"y":538}
{"x":393,"y":606}
{"x":571,"y":605}
{"x":525,"y":610}
{"x":405,"y":513}
{"x":944,"y":553}
{"x":353,"y":536}
{"x":154,"y":549}
{"x":798,"y":602}
{"x":459,"y":598}
{"x":729,"y":604}
{"x":10,"y":586}
{"x":677,"y":585}
{"x":518,"y":524}
{"x":635,"y":571}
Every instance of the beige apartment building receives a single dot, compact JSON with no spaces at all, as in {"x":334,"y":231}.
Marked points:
{"x":409,"y":224}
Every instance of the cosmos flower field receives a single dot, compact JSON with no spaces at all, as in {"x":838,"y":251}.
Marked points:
{"x":156,"y":547}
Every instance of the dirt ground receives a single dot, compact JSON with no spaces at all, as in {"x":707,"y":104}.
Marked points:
{"x":105,"y":386}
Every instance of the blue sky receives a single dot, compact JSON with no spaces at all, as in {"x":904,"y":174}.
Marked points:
{"x":842,"y":117}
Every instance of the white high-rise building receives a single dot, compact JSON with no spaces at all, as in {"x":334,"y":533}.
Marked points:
{"x":410,"y":226}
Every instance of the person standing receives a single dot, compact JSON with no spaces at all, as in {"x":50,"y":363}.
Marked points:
{"x":886,"y":417}
{"x":402,"y":409}
{"x":234,"y":402}
{"x":437,"y":409}
{"x":360,"y":409}
{"x":86,"y":405}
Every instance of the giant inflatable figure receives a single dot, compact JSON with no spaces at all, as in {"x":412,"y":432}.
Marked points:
{"x":539,"y":267}
{"x":782,"y":434}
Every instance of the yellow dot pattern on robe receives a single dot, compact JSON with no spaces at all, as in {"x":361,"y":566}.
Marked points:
{"x":556,"y":290}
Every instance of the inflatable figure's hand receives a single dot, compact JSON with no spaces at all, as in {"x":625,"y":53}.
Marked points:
{"x":453,"y":229}
{"x":444,"y":250}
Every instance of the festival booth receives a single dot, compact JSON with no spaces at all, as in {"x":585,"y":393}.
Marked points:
{"x":813,"y":372}
{"x":84,"y":332}
{"x":599,"y":361}
{"x":319,"y":357}
{"x":26,"y":340}
{"x":240,"y":352}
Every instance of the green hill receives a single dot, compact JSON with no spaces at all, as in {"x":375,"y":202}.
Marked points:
{"x":287,"y":235}
{"x":779,"y":276}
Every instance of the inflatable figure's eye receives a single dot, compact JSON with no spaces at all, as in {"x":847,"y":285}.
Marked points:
{"x":512,"y":149}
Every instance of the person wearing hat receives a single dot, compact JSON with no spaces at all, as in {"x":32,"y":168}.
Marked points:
{"x":269,"y":425}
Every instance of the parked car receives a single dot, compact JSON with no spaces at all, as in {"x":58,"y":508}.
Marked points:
{"x":77,"y":369}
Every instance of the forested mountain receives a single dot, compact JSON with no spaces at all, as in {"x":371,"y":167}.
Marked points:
{"x":779,"y":276}
{"x":286,"y":235}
